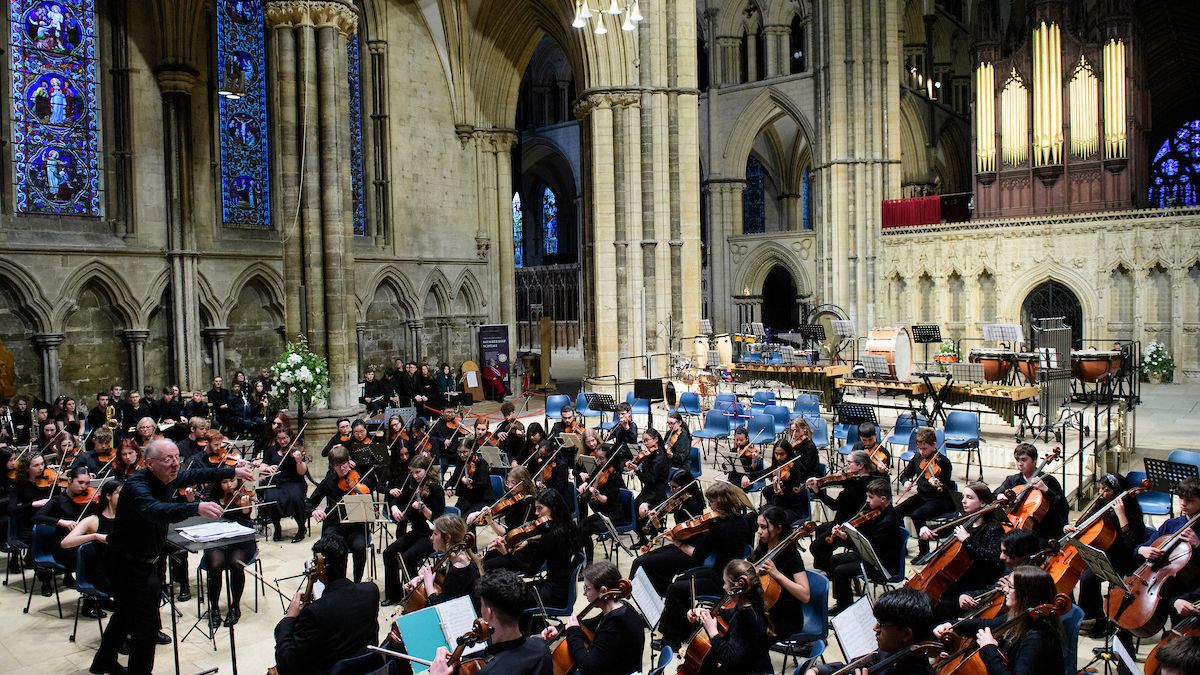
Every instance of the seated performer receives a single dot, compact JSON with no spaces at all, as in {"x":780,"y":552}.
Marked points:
{"x":461,"y":572}
{"x":1180,"y":657}
{"x":799,"y":441}
{"x":868,"y":442}
{"x":61,"y":511}
{"x":981,"y":539}
{"x":744,"y":647}
{"x":502,"y":600}
{"x":366,"y":453}
{"x":228,"y":559}
{"x":903,"y":617}
{"x":413,"y":511}
{"x":510,"y":433}
{"x":551,"y":468}
{"x":95,"y":527}
{"x":314,"y":636}
{"x":516,"y":505}
{"x":471,"y":480}
{"x":1188,"y":492}
{"x":846,"y":505}
{"x":883,"y":531}
{"x":623,"y":433}
{"x":786,"y":568}
{"x":337,"y":483}
{"x":927,"y":484}
{"x":286,"y":486}
{"x":1017,"y":548}
{"x":1029,"y":645}
{"x":652,"y":470}
{"x":614,"y":642}
{"x":551,"y":546}
{"x":1125,"y":518}
{"x":679,"y":441}
{"x":749,"y":460}
{"x":373,"y":393}
{"x":568,"y":424}
{"x":600,"y":500}
{"x":1050,"y":527}
{"x":342,"y":437}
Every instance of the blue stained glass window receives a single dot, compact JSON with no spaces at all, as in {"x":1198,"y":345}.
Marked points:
{"x":805,"y":204}
{"x":518,"y":231}
{"x":242,"y":62}
{"x":550,"y":222}
{"x":754,"y":208}
{"x":354,"y":74}
{"x":1176,"y":169}
{"x":56,"y":108}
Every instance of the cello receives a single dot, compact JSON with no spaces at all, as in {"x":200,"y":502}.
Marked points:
{"x":966,"y":660}
{"x":1138,"y":610}
{"x":1187,"y":627}
{"x":561,"y":653}
{"x":1093,"y":529}
{"x":949,"y":561}
{"x":1031,"y":505}
{"x":699,"y":648}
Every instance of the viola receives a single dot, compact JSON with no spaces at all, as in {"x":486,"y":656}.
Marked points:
{"x":418,"y":598}
{"x":772,"y":590}
{"x":685,"y":530}
{"x":88,"y":496}
{"x":1031,"y":506}
{"x":1187,"y":627}
{"x":698,"y":649}
{"x":966,"y":659}
{"x":1140,"y":611}
{"x":523,"y":533}
{"x":561,"y":653}
{"x":855,"y":522}
{"x":352,"y":483}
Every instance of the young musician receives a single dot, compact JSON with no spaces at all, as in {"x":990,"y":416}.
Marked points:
{"x":927,"y":484}
{"x":551,"y":468}
{"x":27,"y":496}
{"x":744,"y":647}
{"x":787,"y":570}
{"x":502,"y":600}
{"x":396,"y":437}
{"x":678,"y":445}
{"x":549,"y":546}
{"x":99,"y":443}
{"x":748,"y":457}
{"x":95,"y":527}
{"x":785,"y":482}
{"x":617,"y":636}
{"x":652,"y":472}
{"x":418,"y":438}
{"x":624,"y":432}
{"x":1188,"y":492}
{"x":516,"y":506}
{"x":903,"y":617}
{"x":534,"y":435}
{"x":366,"y":453}
{"x":799,"y":441}
{"x":373,"y":393}
{"x":1125,"y":518}
{"x":883,"y":531}
{"x":196,"y":406}
{"x":61,"y":511}
{"x":846,"y":505}
{"x":444,"y":437}
{"x":1180,"y":656}
{"x":342,"y":437}
{"x":510,"y":433}
{"x":600,"y":500}
{"x":330,"y":516}
{"x":471,"y":480}
{"x":312,"y":637}
{"x":568,"y":424}
{"x":227,"y":559}
{"x":1017,"y":548}
{"x":461,"y":571}
{"x":129,"y":459}
{"x":286,"y":484}
{"x":1050,"y":527}
{"x":413,"y":510}
{"x":868,"y":442}
{"x":1029,"y":645}
{"x":981,"y":539}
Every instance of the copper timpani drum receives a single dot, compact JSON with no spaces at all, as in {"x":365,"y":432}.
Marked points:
{"x":895,"y":345}
{"x":724,"y":347}
{"x":701,"y":352}
{"x":1028,"y":364}
{"x":996,"y":362}
{"x":1094,"y":366}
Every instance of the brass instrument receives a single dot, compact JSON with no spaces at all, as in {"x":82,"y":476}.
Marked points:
{"x":110,"y":418}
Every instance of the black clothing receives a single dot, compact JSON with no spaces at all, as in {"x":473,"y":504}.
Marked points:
{"x":560,"y":475}
{"x":95,"y":418}
{"x":744,"y":648}
{"x":168,"y":410}
{"x":373,"y":396}
{"x":412,"y":544}
{"x":336,"y":439}
{"x":913,"y":664}
{"x":443,"y":442}
{"x":653,"y":473}
{"x":20,"y":506}
{"x":514,"y":439}
{"x":787,"y":616}
{"x":407,"y":387}
{"x":459,"y":581}
{"x":1038,"y":651}
{"x":883,"y":531}
{"x":809,"y":464}
{"x":339,"y":624}
{"x":880,"y":452}
{"x":927,"y":502}
{"x":476,"y":495}
{"x":523,"y":656}
{"x":618,"y":437}
{"x":194,"y":408}
{"x":1051,"y":526}
{"x":218,"y":397}
{"x":679,"y":450}
{"x":617,"y":643}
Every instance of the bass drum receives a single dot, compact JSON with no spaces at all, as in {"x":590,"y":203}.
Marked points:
{"x":701,"y":352}
{"x":894,"y":344}
{"x":724,"y":347}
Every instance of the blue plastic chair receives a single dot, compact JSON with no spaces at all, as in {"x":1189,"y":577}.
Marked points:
{"x":1071,"y":622}
{"x":760,"y":400}
{"x":780,"y":413}
{"x":359,"y":664}
{"x":45,"y":542}
{"x":820,"y":431}
{"x":806,"y":410}
{"x":694,"y":466}
{"x":627,"y":506}
{"x":761,"y":429}
{"x":665,"y":657}
{"x":689,"y":405}
{"x":452,"y":511}
{"x":640,"y":406}
{"x":573,"y":499}
{"x":725,"y":398}
{"x":1153,"y":502}
{"x":962,"y":435}
{"x":497,"y":485}
{"x":715,"y":429}
{"x":572,"y":593}
{"x":895,"y":578}
{"x":554,"y":405}
{"x":905,"y":423}
{"x":1181,"y":456}
{"x":810,"y":641}
{"x":87,"y":558}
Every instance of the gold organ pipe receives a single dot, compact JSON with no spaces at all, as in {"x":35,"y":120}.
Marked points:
{"x":985,"y":118}
{"x":1114,"y":100}
{"x":1014,"y":103}
{"x":1084,"y":125}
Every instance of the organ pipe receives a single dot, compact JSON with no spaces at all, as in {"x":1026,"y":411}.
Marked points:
{"x":1047,"y":95}
{"x":985,"y":118}
{"x":1083,"y":92}
{"x":1114,"y":99}
{"x":1014,"y":129}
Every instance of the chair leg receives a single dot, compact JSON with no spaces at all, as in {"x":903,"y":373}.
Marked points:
{"x":75,"y":627}
{"x":57,"y":598}
{"x":29,"y":601}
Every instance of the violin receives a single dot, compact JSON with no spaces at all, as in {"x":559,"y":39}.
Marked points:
{"x":315,"y":573}
{"x":48,"y":478}
{"x":772,"y":590}
{"x":417,"y":598}
{"x":1139,"y":610}
{"x":352,"y":483}
{"x":561,"y":653}
{"x":1031,"y":506}
{"x":929,"y":467}
{"x":89,"y":496}
{"x":966,"y":658}
{"x":523,"y":532}
{"x":699,"y":647}
{"x":671,"y":503}
{"x":855,"y":522}
{"x":638,"y":459}
{"x":685,"y":530}
{"x":224,"y":458}
{"x":834,"y":479}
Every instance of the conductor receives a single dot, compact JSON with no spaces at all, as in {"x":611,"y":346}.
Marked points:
{"x":135,"y":547}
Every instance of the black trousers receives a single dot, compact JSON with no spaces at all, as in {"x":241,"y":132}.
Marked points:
{"x":922,"y":509}
{"x":136,"y":590}
{"x":822,"y":552}
{"x":661,"y":566}
{"x":408,"y":549}
{"x":674,"y":625}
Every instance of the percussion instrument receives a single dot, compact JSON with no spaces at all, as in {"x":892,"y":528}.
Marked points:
{"x":701,"y":351}
{"x":724,"y":347}
{"x":1028,"y":364}
{"x":894,"y":344}
{"x":1094,"y":366}
{"x":996,"y":362}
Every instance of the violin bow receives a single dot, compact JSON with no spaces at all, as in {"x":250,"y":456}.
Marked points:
{"x":288,"y":453}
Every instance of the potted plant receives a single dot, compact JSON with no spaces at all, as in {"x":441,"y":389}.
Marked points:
{"x":300,"y":377}
{"x":1157,"y":364}
{"x":948,"y":353}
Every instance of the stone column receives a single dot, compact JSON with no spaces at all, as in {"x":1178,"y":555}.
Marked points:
{"x":216,"y":346}
{"x":135,"y":339}
{"x":752,"y":74}
{"x":176,"y":82}
{"x":309,"y":63}
{"x":416,"y":336}
{"x":725,"y":220}
{"x":47,"y":344}
{"x":360,"y":329}
{"x":730,"y":62}
{"x":778,"y":40}
{"x":494,"y":235}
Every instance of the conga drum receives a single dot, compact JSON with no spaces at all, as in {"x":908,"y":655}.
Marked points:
{"x":724,"y":346}
{"x":1028,"y":364}
{"x":1091,"y":365}
{"x":895,"y":345}
{"x":996,"y":362}
{"x":701,"y":349}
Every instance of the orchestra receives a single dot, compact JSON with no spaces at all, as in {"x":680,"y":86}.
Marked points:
{"x":995,"y":568}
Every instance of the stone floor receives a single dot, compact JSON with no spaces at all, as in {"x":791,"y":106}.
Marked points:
{"x":36,"y":643}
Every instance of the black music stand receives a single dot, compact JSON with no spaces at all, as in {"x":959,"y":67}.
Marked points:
{"x":1102,"y":567}
{"x":1166,"y":475}
{"x":812,"y":334}
{"x":183,"y":544}
{"x":856,"y":413}
{"x":604,"y":403}
{"x":926,"y":334}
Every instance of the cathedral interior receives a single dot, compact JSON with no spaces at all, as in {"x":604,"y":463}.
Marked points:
{"x":187,"y":184}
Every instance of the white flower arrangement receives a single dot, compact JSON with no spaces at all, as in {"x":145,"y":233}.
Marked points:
{"x":1157,"y":360}
{"x":300,"y":376}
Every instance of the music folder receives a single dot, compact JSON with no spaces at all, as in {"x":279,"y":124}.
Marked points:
{"x":358,"y":509}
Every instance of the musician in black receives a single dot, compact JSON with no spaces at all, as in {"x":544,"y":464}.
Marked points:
{"x":799,"y":441}
{"x":882,"y":531}
{"x":551,"y":469}
{"x":444,"y":437}
{"x":99,"y":442}
{"x":218,"y":400}
{"x":366,"y":453}
{"x":1051,"y":526}
{"x":1123,"y":516}
{"x":868,"y":442}
{"x":653,"y":471}
{"x":413,"y":510}
{"x":785,"y":483}
{"x":903,"y":617}
{"x":550,"y":546}
{"x":623,"y":433}
{"x":600,"y":500}
{"x":514,"y":507}
{"x":341,"y":437}
{"x":743,"y":647}
{"x":567,"y":424}
{"x":847,"y":504}
{"x":410,"y":391}
{"x":749,"y":460}
{"x":196,"y":407}
{"x":471,"y":480}
{"x":62,"y":511}
{"x":927,"y":484}
{"x":503,"y":599}
{"x":189,"y":447}
{"x":373,"y":393}
{"x":95,"y":417}
{"x":786,"y":568}
{"x":1017,"y":548}
{"x":510,"y":433}
{"x":980,"y":538}
{"x":286,"y":486}
{"x":617,"y":635}
{"x":678,"y":445}
{"x":330,"y":516}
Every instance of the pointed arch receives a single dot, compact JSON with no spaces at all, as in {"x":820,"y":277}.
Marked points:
{"x":1084,"y":291}
{"x":767,"y":107}
{"x":270,"y":279}
{"x":731,"y":19}
{"x":763,"y":258}
{"x":914,"y":161}
{"x":110,"y":284}
{"x":437,"y":286}
{"x":469,"y":293}
{"x":29,"y":292}
{"x":392,"y":277}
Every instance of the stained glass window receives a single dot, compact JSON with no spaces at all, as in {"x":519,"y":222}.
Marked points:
{"x":1175,"y":172}
{"x":354,"y":75}
{"x":518,"y":231}
{"x":805,"y":204}
{"x":56,"y":107}
{"x":241,"y":60}
{"x":550,"y":222}
{"x":754,"y":208}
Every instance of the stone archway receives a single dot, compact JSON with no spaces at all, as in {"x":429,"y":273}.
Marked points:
{"x":1052,"y":299}
{"x":780,"y":312}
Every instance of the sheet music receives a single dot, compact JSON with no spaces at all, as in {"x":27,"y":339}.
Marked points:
{"x":647,"y":598}
{"x":458,"y":616}
{"x":855,"y":629}
{"x":472,"y":379}
{"x":214,"y":531}
{"x":1125,"y":662}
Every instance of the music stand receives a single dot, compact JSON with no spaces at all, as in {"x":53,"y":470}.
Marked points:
{"x":865,"y":551}
{"x":493,"y":456}
{"x":602,"y":403}
{"x":1101,"y":566}
{"x":877,"y":366}
{"x":811,"y":333}
{"x":966,"y":372}
{"x":926,"y":334}
{"x":1166,"y":475}
{"x":1009,"y":333}
{"x":407,"y":415}
{"x":706,"y":327}
{"x":856,"y":413}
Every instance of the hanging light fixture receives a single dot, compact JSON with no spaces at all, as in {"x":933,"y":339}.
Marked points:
{"x":579,"y":21}
{"x":600,"y":29}
{"x":628,"y":24}
{"x":587,"y":11}
{"x":635,"y":11}
{"x":613,"y":9}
